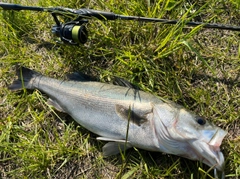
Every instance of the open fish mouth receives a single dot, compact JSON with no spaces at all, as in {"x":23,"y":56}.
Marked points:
{"x":217,"y":138}
{"x":209,"y":153}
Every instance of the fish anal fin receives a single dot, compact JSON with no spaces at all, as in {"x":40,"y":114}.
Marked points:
{"x":54,"y":103}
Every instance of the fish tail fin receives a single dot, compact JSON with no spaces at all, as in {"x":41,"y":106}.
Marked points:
{"x":25,"y":79}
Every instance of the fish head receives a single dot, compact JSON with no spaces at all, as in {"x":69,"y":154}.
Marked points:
{"x":181,"y":132}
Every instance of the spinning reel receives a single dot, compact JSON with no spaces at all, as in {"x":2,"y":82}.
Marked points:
{"x":73,"y":32}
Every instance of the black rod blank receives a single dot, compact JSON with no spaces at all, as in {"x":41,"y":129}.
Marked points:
{"x":88,"y":13}
{"x":166,"y":21}
{"x":17,"y":7}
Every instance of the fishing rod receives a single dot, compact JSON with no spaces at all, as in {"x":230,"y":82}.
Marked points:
{"x":75,"y":32}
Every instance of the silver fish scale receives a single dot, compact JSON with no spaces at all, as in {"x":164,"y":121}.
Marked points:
{"x":94,"y":103}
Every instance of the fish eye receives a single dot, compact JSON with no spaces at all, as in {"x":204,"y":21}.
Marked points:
{"x":201,"y":121}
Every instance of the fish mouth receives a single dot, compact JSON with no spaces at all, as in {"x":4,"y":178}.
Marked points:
{"x":209,"y":152}
{"x":217,"y":138}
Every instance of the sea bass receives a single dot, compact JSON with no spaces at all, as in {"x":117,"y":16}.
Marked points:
{"x":127,"y":117}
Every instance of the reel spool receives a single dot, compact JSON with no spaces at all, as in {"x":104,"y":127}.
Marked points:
{"x":73,"y":32}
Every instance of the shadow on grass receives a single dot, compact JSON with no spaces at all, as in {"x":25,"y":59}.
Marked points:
{"x":229,"y":82}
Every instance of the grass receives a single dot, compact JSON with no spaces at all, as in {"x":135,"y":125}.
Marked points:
{"x":198,"y":68}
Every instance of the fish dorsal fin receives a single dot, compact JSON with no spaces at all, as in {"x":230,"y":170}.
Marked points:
{"x":115,"y":146}
{"x":122,"y":82}
{"x":54,"y":103}
{"x":79,"y":76}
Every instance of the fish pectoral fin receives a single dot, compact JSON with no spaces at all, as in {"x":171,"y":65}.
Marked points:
{"x":54,"y":103}
{"x":136,"y":116}
{"x":113,"y":148}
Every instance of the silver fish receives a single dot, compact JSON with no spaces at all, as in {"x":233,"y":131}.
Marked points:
{"x":127,"y":117}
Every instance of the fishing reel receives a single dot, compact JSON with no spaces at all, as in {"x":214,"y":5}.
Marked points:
{"x":73,"y":32}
